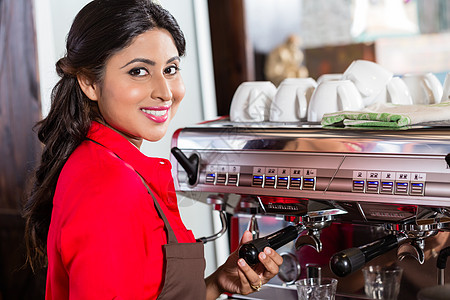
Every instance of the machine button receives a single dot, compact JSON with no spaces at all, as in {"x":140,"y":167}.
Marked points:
{"x":309,"y":184}
{"x":359,"y":181}
{"x":295,"y":183}
{"x":417,"y":189}
{"x":233,"y":179}
{"x":221,"y":178}
{"x":270,"y":181}
{"x":258,"y":180}
{"x":210,"y":178}
{"x":282,"y":182}
{"x":401,"y":187}
{"x":387,"y":187}
{"x":372,"y":186}
{"x":358,"y":186}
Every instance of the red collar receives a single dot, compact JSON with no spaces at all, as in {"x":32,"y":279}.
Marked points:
{"x":118,"y":144}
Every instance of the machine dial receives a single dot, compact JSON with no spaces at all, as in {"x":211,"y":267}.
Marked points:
{"x":290,"y":269}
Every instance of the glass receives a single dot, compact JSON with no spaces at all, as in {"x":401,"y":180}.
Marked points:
{"x":382,"y":282}
{"x":316,"y":289}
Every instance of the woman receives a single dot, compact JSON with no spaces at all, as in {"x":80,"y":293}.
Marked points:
{"x":101,"y":213}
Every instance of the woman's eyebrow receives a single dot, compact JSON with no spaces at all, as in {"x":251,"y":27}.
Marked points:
{"x":149,"y":62}
{"x":143,"y":60}
{"x":172,"y":59}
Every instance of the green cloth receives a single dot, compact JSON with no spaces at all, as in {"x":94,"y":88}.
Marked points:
{"x":389,"y":115}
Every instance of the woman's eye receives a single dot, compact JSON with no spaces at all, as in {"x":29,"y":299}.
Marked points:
{"x":138,"y":72}
{"x":172,"y":70}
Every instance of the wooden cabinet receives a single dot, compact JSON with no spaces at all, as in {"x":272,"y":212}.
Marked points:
{"x":19,"y":146}
{"x":232,"y":52}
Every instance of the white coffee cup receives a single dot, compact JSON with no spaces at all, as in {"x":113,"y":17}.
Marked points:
{"x":333,"y":96}
{"x":291,"y":100}
{"x":396,"y":92}
{"x":369,"y":78}
{"x":251,"y":101}
{"x":331,"y":76}
{"x":446,"y":89}
{"x":424,"y":88}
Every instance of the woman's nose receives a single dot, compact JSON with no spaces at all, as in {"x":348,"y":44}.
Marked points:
{"x":161,"y":89}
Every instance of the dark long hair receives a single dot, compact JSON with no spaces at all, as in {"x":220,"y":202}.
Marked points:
{"x":100,"y":29}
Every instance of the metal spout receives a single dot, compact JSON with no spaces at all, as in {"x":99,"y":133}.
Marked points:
{"x":413,"y":249}
{"x":311,"y":239}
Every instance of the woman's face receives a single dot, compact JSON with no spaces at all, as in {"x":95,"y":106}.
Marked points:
{"x":142,"y":87}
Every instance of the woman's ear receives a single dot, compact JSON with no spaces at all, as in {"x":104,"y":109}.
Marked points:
{"x":90,"y":89}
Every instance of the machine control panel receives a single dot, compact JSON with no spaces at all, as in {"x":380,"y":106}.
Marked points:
{"x":400,"y":183}
{"x":377,"y":178}
{"x":363,"y":181}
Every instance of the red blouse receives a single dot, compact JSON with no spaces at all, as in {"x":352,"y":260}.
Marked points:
{"x":105,"y":238}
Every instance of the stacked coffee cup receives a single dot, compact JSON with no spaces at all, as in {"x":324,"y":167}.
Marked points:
{"x":363,"y":83}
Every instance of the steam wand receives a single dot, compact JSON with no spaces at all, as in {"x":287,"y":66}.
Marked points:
{"x":441,"y":264}
{"x":190,"y":165}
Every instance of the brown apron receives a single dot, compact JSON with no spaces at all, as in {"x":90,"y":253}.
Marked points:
{"x":185,"y":262}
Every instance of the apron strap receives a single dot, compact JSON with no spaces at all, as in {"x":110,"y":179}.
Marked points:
{"x":171,"y":237}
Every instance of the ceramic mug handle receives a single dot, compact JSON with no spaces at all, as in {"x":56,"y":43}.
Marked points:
{"x":398,"y":91}
{"x":433,"y":85}
{"x":344,"y":98}
{"x":446,"y":89}
{"x":301,"y":102}
{"x":358,"y":84}
{"x":255,"y":105}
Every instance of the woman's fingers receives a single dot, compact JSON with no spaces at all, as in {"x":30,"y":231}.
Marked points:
{"x":246,"y":237}
{"x":274,"y":255}
{"x":271,"y":261}
{"x":249,"y":278}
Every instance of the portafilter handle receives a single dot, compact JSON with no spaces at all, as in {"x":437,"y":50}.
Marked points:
{"x":350,"y":260}
{"x":250,"y":250}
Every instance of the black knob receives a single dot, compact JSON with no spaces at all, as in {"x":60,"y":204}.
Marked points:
{"x":350,"y":260}
{"x":190,"y":165}
{"x":447,"y":159}
{"x":347,"y":261}
{"x":250,"y":250}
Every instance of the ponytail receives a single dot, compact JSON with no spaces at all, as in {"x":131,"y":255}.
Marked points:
{"x":60,"y":132}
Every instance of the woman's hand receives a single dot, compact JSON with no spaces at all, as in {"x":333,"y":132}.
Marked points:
{"x":237,"y":277}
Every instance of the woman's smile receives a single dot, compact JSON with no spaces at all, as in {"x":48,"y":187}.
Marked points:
{"x":158,"y":114}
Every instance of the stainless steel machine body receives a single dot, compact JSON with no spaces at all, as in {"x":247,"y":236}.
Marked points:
{"x":395,"y":179}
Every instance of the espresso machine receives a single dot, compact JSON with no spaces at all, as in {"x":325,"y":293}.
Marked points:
{"x":350,"y":195}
